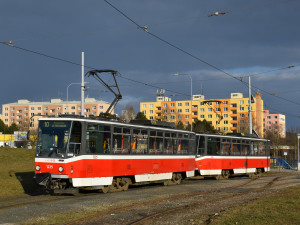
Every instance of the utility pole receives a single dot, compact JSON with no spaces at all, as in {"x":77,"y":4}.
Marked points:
{"x":82,"y":84}
{"x":250,"y":108}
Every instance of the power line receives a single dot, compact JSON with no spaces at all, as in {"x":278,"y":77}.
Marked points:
{"x":191,"y":55}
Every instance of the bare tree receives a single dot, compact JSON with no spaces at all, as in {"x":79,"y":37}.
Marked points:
{"x":128,"y":113}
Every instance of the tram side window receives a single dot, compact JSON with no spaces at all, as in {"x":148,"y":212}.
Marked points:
{"x":245,"y":147}
{"x":226,"y":146}
{"x":261,"y":148}
{"x":236,"y":147}
{"x":213,"y":146}
{"x":98,"y":139}
{"x":253,"y":150}
{"x":121,"y":140}
{"x":183,"y":144}
{"x":201,"y":145}
{"x":156,"y":142}
{"x":170,"y":144}
{"x":75,"y":139}
{"x":139,"y":142}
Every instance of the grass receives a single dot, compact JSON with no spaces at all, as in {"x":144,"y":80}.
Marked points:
{"x":280,"y":208}
{"x":16,"y":171}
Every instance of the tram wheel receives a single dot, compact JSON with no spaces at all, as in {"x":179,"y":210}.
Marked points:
{"x":258,"y":172}
{"x":105,"y":189}
{"x":124,"y":183}
{"x":225,"y":174}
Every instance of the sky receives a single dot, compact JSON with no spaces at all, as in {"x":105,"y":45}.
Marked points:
{"x":259,"y":38}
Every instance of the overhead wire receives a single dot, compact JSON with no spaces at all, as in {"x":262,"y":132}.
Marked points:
{"x":191,"y":55}
{"x":150,"y":25}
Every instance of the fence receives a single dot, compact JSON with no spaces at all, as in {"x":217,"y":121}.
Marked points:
{"x":289,"y":164}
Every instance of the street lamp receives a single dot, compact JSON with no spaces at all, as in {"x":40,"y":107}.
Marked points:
{"x":181,"y":74}
{"x":68,"y":94}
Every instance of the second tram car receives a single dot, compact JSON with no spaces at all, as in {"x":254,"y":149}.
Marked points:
{"x":225,"y":155}
{"x":77,"y":152}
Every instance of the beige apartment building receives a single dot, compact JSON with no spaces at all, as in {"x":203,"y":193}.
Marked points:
{"x":226,"y":115}
{"x":25,"y":113}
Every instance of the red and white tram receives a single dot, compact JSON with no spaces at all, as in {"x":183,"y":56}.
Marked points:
{"x":77,"y":152}
{"x":225,"y":155}
{"x":82,"y":152}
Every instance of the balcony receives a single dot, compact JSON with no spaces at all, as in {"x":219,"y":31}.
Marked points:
{"x":233,"y":128}
{"x":233,"y":121}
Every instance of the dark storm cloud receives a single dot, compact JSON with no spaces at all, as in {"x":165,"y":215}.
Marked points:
{"x":254,"y":36}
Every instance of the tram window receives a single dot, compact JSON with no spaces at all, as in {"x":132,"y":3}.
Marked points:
{"x":75,"y":139}
{"x":183,"y":145}
{"x":236,"y":147}
{"x":201,"y":145}
{"x":245,"y":147}
{"x":139,"y":143}
{"x":167,"y":134}
{"x":98,"y":139}
{"x":155,"y":143}
{"x":192,"y":146}
{"x":225,"y":147}
{"x":159,"y":134}
{"x":213,"y":146}
{"x":126,"y":131}
{"x":121,"y":144}
{"x":261,"y":149}
{"x":170,"y":146}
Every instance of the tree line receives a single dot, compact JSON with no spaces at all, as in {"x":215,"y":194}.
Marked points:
{"x":4,"y":129}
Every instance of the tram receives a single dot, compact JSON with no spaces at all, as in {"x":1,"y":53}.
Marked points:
{"x":225,"y":155}
{"x":89,"y":153}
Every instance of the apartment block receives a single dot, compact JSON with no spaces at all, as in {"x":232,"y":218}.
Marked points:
{"x":228,"y":115}
{"x":25,"y":113}
{"x":274,"y":123}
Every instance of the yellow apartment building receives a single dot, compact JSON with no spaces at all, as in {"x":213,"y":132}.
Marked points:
{"x":226,"y":115}
{"x":25,"y":113}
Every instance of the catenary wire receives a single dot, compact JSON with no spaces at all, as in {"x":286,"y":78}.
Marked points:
{"x":193,"y":56}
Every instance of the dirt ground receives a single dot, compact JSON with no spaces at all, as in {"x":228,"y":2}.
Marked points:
{"x":195,"y":201}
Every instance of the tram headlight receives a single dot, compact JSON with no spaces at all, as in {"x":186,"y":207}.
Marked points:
{"x":38,"y":168}
{"x":61,"y":169}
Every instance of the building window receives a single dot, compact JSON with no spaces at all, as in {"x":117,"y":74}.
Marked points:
{"x":186,"y":123}
{"x":59,"y":108}
{"x":12,"y":114}
{"x":6,"y":114}
{"x":172,"y":110}
{"x":25,"y":114}
{"x":242,"y":108}
{"x":73,"y":107}
{"x":165,"y":105}
{"x":225,"y":115}
{"x":225,"y":103}
{"x":187,"y":104}
{"x":45,"y":114}
{"x":101,"y":107}
{"x":173,"y":117}
{"x":225,"y":121}
{"x":225,"y":109}
{"x":218,"y":109}
{"x":165,"y":117}
{"x":202,"y":110}
{"x":269,"y":122}
{"x":242,"y":115}
{"x":6,"y":109}
{"x":12,"y":109}
{"x":275,"y":117}
{"x":241,"y":102}
{"x":209,"y":115}
{"x":202,"y":116}
{"x":165,"y":111}
{"x":19,"y":111}
{"x":179,"y":104}
{"x":187,"y":110}
{"x":187,"y":116}
{"x":39,"y":108}
{"x":94,"y":107}
{"x":144,"y":112}
{"x":151,"y":105}
{"x":201,"y":103}
{"x":87,"y":110}
{"x":225,"y":128}
{"x":52,"y":110}
{"x":268,"y":117}
{"x":234,"y":112}
{"x":179,"y":117}
{"x":31,"y":114}
{"x":46,"y":108}
{"x":209,"y":109}
{"x":151,"y":111}
{"x":172,"y":104}
{"x":179,"y":110}
{"x":217,"y":103}
{"x":144,"y":106}
{"x":151,"y":117}
{"x":234,"y":105}
{"x":26,"y":108}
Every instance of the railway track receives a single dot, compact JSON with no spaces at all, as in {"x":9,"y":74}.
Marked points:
{"x":169,"y":202}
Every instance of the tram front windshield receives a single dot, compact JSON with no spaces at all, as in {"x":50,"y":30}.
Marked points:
{"x":53,"y":137}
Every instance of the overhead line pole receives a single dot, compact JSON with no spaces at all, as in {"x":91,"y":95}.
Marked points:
{"x":82,"y":84}
{"x":250,"y":108}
